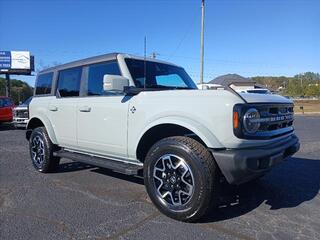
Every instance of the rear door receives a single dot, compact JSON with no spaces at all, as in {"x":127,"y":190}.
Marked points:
{"x":62,"y":109}
{"x":102,"y":116}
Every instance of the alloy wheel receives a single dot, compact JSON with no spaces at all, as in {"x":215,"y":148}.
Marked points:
{"x":173,"y":180}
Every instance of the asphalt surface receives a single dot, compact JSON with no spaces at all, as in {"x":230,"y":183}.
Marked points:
{"x":84,"y":202}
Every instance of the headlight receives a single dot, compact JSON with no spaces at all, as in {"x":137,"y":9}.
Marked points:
{"x":26,"y":114}
{"x":250,"y":123}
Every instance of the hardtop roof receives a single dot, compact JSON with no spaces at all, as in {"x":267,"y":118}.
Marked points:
{"x":100,"y":58}
{"x":104,"y":57}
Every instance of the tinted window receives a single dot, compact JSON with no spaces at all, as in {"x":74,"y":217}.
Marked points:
{"x":171,"y":80}
{"x":1,"y":102}
{"x":44,"y":83}
{"x":69,"y":82}
{"x":27,"y":102}
{"x":159,"y":75}
{"x":95,"y":76}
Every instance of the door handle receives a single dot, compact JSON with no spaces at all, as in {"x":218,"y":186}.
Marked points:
{"x":53,"y":108}
{"x":85,"y":109}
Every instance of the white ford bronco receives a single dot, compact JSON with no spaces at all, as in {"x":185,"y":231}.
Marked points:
{"x":134,"y":115}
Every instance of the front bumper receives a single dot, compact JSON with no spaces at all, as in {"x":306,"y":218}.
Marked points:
{"x":20,"y":122}
{"x":243,"y":165}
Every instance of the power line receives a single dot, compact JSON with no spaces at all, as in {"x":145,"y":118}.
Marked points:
{"x":187,"y":32}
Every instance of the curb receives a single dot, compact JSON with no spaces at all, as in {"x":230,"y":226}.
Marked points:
{"x":307,"y":113}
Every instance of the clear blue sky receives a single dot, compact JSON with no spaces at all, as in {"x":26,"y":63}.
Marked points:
{"x":248,"y":37}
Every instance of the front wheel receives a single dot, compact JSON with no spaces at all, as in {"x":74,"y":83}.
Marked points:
{"x":181,"y":178}
{"x":41,"y":151}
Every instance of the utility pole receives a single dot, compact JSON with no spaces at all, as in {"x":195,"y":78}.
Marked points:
{"x":202,"y":43}
{"x":145,"y":62}
{"x":8,"y":89}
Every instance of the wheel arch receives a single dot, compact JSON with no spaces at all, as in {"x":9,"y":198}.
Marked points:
{"x":38,"y":121}
{"x":163,"y":128}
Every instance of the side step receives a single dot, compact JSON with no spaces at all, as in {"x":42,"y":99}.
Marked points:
{"x":117,"y":166}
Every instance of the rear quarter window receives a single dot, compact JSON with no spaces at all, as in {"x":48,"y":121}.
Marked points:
{"x":44,"y":84}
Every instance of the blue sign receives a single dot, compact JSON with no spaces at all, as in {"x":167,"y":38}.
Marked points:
{"x":5,"y":59}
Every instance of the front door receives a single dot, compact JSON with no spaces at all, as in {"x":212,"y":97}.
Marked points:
{"x":102,"y":125}
{"x":102,"y":116}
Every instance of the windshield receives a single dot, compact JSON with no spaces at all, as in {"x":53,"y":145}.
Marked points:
{"x":261,"y":91}
{"x":27,"y":102}
{"x":159,"y":75}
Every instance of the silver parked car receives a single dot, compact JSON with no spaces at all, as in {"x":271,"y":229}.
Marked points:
{"x":21,"y":114}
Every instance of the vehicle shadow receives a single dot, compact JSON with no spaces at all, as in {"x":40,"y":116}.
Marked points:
{"x":287,"y":186}
{"x":72,"y":167}
{"x":6,"y":127}
{"x":295,"y":181}
{"x":134,"y":179}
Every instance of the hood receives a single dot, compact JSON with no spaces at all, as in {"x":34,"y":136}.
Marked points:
{"x":264,"y":98}
{"x":21,"y":107}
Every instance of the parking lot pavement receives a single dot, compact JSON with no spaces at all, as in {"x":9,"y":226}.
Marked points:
{"x":84,"y":202}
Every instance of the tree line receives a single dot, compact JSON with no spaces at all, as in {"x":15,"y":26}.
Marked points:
{"x":304,"y":84}
{"x":20,"y":90}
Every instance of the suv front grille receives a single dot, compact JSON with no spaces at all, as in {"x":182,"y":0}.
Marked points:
{"x":276,"y":120}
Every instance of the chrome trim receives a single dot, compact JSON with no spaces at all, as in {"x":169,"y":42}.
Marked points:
{"x":278,"y":118}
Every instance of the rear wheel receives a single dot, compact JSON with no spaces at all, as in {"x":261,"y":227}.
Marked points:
{"x":41,"y":151}
{"x":181,"y":178}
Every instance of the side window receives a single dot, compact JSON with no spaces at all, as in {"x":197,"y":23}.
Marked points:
{"x":1,"y":102}
{"x":69,"y":82}
{"x":7,"y":102}
{"x":95,"y":76}
{"x":44,"y":83}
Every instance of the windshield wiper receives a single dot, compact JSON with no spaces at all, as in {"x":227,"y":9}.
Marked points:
{"x":165,"y":87}
{"x":156,"y":86}
{"x":184,"y":88}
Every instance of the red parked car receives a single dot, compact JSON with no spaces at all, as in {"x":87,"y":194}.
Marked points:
{"x":6,"y":107}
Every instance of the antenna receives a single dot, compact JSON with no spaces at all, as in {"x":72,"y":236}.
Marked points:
{"x":154,"y":55}
{"x":145,"y":63}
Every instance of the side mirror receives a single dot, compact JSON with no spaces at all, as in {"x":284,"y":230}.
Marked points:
{"x":114,"y":83}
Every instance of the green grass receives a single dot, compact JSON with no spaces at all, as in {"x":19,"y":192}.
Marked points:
{"x":308,"y":106}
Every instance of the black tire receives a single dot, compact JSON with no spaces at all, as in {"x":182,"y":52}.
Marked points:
{"x":42,"y":154}
{"x":257,"y":179}
{"x":202,"y":169}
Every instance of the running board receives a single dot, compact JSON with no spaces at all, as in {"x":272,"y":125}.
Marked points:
{"x":117,"y":166}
